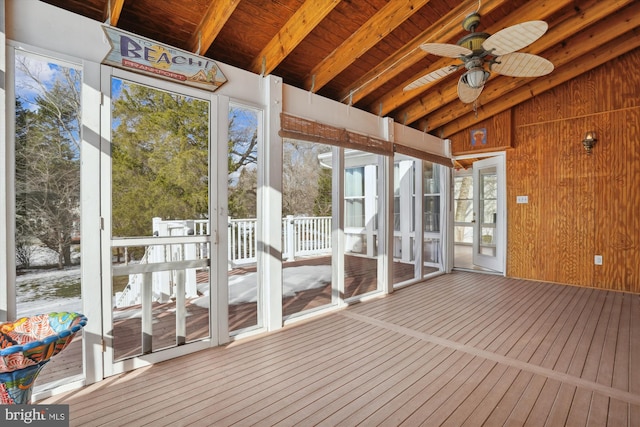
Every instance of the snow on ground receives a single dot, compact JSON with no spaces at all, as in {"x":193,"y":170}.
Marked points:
{"x":45,"y":291}
{"x":244,"y":288}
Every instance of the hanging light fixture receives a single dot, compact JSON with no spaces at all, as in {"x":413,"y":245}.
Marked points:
{"x":589,"y":140}
{"x":476,"y":77}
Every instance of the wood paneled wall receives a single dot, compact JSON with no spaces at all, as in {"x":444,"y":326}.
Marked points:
{"x":580,"y":205}
{"x":499,"y":136}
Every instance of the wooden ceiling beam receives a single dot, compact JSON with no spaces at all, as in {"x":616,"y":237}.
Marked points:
{"x":388,"y":18}
{"x":114,"y":9}
{"x":580,"y":46}
{"x":597,"y":57}
{"x":211,"y":24}
{"x":558,"y":34}
{"x":398,"y":97}
{"x":445,"y":29}
{"x":303,"y":21}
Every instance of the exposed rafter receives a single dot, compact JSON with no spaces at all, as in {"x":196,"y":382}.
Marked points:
{"x":114,"y":8}
{"x":214,"y":19}
{"x":398,"y":97}
{"x":558,"y":34}
{"x":443,"y":30}
{"x":291,"y":34}
{"x":609,"y":51}
{"x":304,"y":42}
{"x":371,"y":32}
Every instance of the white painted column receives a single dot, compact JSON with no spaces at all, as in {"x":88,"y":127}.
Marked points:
{"x":406,"y":213}
{"x":270,"y":207}
{"x":219,"y":217}
{"x":337,"y":226}
{"x":385,"y":216}
{"x":7,"y":199}
{"x":91,"y":222}
{"x":370,"y":207}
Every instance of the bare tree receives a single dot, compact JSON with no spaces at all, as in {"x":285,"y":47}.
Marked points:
{"x":48,"y":155}
{"x":242,"y":162}
{"x":300,"y":177}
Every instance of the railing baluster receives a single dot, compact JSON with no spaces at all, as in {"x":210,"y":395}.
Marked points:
{"x":147,"y":313}
{"x":301,"y":236}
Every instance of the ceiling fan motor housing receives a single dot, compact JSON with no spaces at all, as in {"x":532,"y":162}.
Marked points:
{"x":478,"y":49}
{"x":471,"y":22}
{"x":474,"y":42}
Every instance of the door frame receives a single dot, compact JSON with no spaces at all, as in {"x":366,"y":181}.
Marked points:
{"x":496,"y":262}
{"x":111,"y":367}
{"x":501,"y":226}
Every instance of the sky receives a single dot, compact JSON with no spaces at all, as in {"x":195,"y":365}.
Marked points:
{"x":46,"y":73}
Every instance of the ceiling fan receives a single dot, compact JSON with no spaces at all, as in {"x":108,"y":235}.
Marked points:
{"x":497,"y":52}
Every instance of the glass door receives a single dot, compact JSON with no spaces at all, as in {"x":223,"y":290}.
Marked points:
{"x":488,"y":214}
{"x":361,"y":207}
{"x":156,"y":211}
{"x":48,"y":166}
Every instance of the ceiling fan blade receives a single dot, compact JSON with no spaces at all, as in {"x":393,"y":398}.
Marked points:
{"x":468,"y":94}
{"x":515,"y":37}
{"x":446,"y":49}
{"x":519,"y":64}
{"x":431,"y":77}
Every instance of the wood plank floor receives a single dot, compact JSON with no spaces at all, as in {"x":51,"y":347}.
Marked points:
{"x":128,"y":331}
{"x":459,"y":349}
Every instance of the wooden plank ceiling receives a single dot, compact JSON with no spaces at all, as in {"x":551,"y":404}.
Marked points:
{"x":364,"y":52}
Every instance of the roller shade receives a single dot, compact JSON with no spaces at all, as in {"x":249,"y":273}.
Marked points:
{"x":423,"y":155}
{"x":308,"y":130}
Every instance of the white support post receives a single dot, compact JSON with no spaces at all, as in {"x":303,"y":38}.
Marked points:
{"x":7,"y":231}
{"x":385,"y":227}
{"x":337,"y":226}
{"x":406,"y":195}
{"x":385,"y":219}
{"x":370,"y":207}
{"x":419,"y":223}
{"x":181,"y":310}
{"x":220,"y":220}
{"x":147,"y":314}
{"x":269,"y":254}
{"x":190,"y":252}
{"x":290,"y":238}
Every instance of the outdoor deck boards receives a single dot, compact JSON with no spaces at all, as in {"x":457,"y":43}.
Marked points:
{"x":459,"y":349}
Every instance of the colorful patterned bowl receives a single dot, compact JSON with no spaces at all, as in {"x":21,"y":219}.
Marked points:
{"x":26,"y":345}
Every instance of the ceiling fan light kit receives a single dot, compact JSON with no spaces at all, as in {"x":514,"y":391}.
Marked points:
{"x":498,"y":51}
{"x":476,"y":77}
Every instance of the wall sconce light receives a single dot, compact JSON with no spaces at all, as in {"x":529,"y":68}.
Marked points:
{"x":589,"y":140}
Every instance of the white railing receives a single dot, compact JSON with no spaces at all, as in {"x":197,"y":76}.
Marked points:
{"x":306,"y":236}
{"x":242,"y":238}
{"x":130,"y":295}
{"x":165,"y":280}
{"x":301,"y":236}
